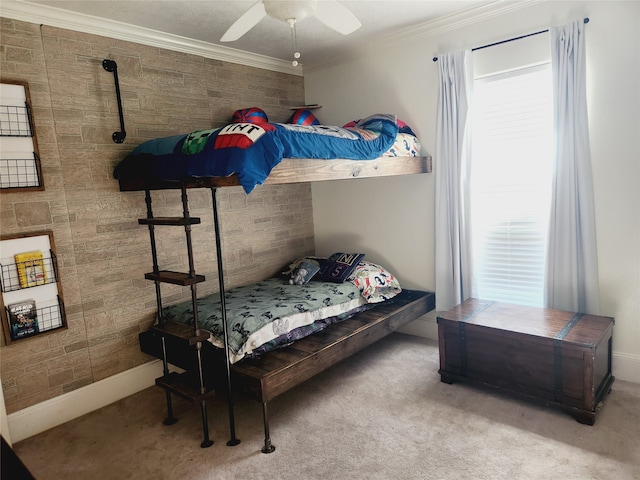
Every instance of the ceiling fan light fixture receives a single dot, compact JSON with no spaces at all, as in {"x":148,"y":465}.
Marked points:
{"x":290,"y":9}
{"x":330,"y":12}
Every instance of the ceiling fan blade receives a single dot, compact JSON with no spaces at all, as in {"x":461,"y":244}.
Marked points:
{"x":337,"y":17}
{"x":246,"y":22}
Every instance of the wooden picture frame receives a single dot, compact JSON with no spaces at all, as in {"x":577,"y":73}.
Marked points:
{"x":31,"y":298}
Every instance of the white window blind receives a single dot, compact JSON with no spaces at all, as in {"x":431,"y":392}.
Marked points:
{"x":510,"y":181}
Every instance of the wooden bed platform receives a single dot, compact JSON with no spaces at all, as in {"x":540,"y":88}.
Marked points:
{"x":282,"y":369}
{"x":300,"y":170}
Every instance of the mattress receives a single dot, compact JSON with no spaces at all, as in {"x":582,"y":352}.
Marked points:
{"x":264,"y":312}
{"x":252,"y":150}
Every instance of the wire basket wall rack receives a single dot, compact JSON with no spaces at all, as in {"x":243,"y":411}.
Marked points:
{"x":19,"y":162}
{"x":15,"y":121}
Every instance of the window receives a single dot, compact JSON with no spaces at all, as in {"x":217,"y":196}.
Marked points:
{"x":510,"y":183}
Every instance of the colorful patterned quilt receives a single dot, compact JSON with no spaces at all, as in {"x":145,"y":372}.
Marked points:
{"x":251,"y":150}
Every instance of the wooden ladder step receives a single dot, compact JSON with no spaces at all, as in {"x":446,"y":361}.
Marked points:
{"x":171,"y":221}
{"x":176,"y":278}
{"x":181,"y":332}
{"x":184,"y":386}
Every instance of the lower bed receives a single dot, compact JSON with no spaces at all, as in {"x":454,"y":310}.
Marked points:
{"x":277,"y":371}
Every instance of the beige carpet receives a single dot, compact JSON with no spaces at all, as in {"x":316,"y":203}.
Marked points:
{"x":383,"y":414}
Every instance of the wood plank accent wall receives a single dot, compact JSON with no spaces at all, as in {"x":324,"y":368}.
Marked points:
{"x":103,"y":253}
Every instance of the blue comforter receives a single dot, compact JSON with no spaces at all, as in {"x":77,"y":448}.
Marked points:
{"x":252,"y":150}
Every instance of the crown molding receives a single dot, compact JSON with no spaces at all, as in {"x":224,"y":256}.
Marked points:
{"x":439,"y":26}
{"x":471,"y":16}
{"x":55,"y":17}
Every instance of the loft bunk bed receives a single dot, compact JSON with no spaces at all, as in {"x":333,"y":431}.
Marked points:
{"x":360,"y":302}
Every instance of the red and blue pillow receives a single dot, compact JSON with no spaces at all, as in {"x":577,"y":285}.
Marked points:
{"x":303,"y":116}
{"x":249,"y":115}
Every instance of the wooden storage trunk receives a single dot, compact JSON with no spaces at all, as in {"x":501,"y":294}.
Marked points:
{"x":558,"y":357}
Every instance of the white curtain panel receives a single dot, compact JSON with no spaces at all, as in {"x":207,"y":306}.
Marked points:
{"x":453,"y":245}
{"x":571,"y":267}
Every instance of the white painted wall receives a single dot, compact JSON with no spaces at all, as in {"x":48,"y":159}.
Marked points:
{"x":392,"y":219}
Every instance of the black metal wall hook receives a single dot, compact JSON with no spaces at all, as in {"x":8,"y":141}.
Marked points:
{"x":111,"y":66}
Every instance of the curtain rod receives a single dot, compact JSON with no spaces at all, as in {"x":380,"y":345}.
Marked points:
{"x":435,"y":59}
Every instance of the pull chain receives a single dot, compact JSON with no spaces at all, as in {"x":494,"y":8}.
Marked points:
{"x":294,"y":41}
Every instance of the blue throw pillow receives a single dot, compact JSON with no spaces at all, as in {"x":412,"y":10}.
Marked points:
{"x":339,"y":266}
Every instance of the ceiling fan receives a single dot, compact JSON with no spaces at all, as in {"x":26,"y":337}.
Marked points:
{"x":330,"y":12}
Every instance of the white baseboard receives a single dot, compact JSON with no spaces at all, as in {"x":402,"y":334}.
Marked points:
{"x":51,"y":413}
{"x":626,"y":366}
{"x":424,"y":326}
{"x":56,"y":411}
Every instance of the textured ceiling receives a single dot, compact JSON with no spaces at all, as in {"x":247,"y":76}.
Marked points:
{"x":207,"y":20}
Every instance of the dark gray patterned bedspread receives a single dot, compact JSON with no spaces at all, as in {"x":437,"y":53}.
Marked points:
{"x":264,"y":311}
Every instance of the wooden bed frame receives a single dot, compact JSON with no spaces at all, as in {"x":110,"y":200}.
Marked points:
{"x":300,"y":170}
{"x":280,"y":370}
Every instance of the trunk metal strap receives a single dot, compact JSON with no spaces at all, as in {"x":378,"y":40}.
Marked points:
{"x":462,"y":335}
{"x":557,"y":355}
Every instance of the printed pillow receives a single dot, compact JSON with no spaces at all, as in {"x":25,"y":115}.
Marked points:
{"x":303,"y":273}
{"x":403,"y":127}
{"x":374,"y":282}
{"x":249,"y":115}
{"x":339,"y":266}
{"x":303,"y":116}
